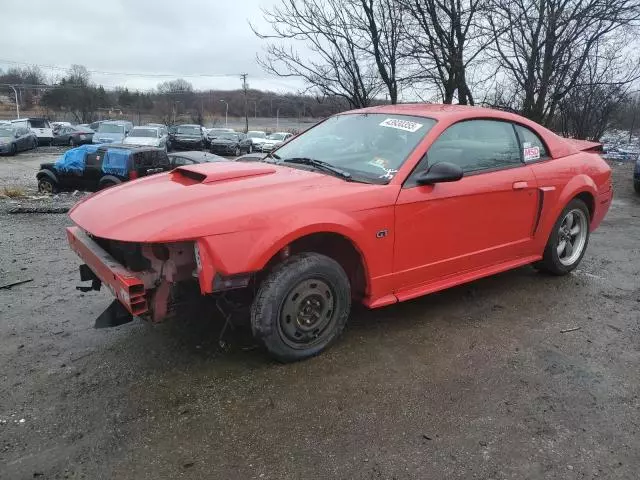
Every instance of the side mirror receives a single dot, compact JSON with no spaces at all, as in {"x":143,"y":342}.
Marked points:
{"x":439,"y":173}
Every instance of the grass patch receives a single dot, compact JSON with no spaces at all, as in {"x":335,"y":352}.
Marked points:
{"x":13,"y":192}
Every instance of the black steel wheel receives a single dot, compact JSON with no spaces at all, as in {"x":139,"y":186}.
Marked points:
{"x":301,"y":307}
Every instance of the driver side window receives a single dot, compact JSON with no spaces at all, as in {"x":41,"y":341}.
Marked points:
{"x":477,"y":145}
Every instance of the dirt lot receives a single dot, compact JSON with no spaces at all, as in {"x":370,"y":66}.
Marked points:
{"x":478,"y":382}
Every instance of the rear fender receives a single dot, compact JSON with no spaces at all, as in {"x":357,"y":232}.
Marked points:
{"x":579,"y":184}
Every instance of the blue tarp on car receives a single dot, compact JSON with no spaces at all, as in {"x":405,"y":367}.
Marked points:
{"x":115,"y":162}
{"x":73,"y":160}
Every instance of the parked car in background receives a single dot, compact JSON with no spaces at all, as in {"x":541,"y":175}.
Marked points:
{"x":214,"y":132}
{"x":410,"y":200}
{"x":229,"y":143}
{"x":148,"y":136}
{"x":636,"y":175}
{"x":112,"y":131}
{"x":56,"y":126}
{"x":275,"y":140}
{"x":186,"y":137}
{"x":16,"y":139}
{"x":94,"y":167}
{"x":257,"y":138}
{"x":94,"y":125}
{"x":178,"y":159}
{"x":73,"y":136}
{"x":39,"y":126}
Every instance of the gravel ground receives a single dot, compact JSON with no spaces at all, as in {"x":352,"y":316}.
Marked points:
{"x":477,"y":382}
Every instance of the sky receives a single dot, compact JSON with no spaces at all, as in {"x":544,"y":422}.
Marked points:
{"x":188,"y":39}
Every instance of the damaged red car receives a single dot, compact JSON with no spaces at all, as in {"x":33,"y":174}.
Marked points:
{"x":373,"y":206}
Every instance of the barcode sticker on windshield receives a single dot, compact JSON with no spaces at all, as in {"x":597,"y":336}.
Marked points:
{"x":405,"y":125}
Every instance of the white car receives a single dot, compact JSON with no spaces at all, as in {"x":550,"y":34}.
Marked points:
{"x":257,"y":138}
{"x":275,"y":140}
{"x":147,"y":136}
{"x":39,"y":126}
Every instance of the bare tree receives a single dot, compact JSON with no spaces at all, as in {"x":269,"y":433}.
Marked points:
{"x":354,"y":46}
{"x":543,"y":46}
{"x":445,"y":41}
{"x":603,"y":85}
{"x":381,"y":26}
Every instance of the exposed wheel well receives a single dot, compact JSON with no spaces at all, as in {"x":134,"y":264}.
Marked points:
{"x":589,"y":201}
{"x":335,"y":246}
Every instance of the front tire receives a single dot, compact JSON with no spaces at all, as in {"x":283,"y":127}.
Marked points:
{"x":301,"y":307}
{"x":568,"y":240}
{"x":237,"y":152}
{"x":14,"y":149}
{"x":47,"y":186}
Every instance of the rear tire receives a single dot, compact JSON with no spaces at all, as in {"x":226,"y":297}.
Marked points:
{"x":14,"y":149}
{"x":301,"y":307}
{"x":568,"y":240}
{"x":71,"y":144}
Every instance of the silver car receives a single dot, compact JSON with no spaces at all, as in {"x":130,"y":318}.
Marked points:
{"x":147,"y":136}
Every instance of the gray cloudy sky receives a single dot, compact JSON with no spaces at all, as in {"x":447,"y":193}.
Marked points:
{"x":182,"y":38}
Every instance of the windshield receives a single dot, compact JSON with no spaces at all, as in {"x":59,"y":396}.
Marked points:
{"x":80,"y":128}
{"x":144,"y":132}
{"x":39,"y":123}
{"x":5,"y":132}
{"x":276,"y":136}
{"x":186,"y":130}
{"x":110,"y":128}
{"x":256,"y":135}
{"x":371,"y":146}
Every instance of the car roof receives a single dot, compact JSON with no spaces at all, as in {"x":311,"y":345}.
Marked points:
{"x":196,"y":155}
{"x":439,"y":111}
{"x":188,"y":125}
{"x":147,"y":127}
{"x":116,"y":122}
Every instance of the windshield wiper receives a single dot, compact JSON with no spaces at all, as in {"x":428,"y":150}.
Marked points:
{"x":320,"y":165}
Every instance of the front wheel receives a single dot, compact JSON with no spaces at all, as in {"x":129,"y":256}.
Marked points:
{"x":47,"y":186}
{"x":568,"y":240}
{"x":250,"y":150}
{"x":71,"y":144}
{"x":237,"y":152}
{"x":301,"y":307}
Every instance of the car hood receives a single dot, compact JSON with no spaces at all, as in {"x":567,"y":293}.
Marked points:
{"x":223,"y":141}
{"x":141,"y":141}
{"x":215,"y":198}
{"x":6,"y":139}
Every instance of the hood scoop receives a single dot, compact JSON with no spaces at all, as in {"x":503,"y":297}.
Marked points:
{"x":218,"y":172}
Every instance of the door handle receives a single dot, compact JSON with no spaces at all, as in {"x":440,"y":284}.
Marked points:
{"x":520,"y":185}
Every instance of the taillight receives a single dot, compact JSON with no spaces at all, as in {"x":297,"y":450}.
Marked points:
{"x":133,"y":174}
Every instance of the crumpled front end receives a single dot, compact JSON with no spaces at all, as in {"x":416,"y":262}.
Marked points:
{"x":140,"y":276}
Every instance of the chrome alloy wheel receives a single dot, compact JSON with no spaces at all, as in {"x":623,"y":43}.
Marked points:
{"x":572,"y":236}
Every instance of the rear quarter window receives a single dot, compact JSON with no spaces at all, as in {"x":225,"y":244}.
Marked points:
{"x":533,"y":148}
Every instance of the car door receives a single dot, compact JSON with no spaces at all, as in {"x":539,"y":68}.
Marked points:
{"x":481,"y":221}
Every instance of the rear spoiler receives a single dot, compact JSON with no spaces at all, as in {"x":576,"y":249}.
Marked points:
{"x":585,"y":145}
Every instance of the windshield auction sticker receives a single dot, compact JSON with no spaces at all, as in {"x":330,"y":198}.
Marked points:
{"x":405,"y":125}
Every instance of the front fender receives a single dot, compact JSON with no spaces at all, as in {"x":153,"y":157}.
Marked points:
{"x":250,"y":250}
{"x":48,"y":174}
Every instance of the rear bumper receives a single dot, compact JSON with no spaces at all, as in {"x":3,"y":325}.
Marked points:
{"x":45,"y":140}
{"x":603,"y":202}
{"x":123,"y":283}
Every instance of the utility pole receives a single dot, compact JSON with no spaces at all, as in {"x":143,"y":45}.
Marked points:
{"x":245,"y":88}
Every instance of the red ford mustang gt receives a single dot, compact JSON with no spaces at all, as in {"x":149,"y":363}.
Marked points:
{"x":376,"y":206}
